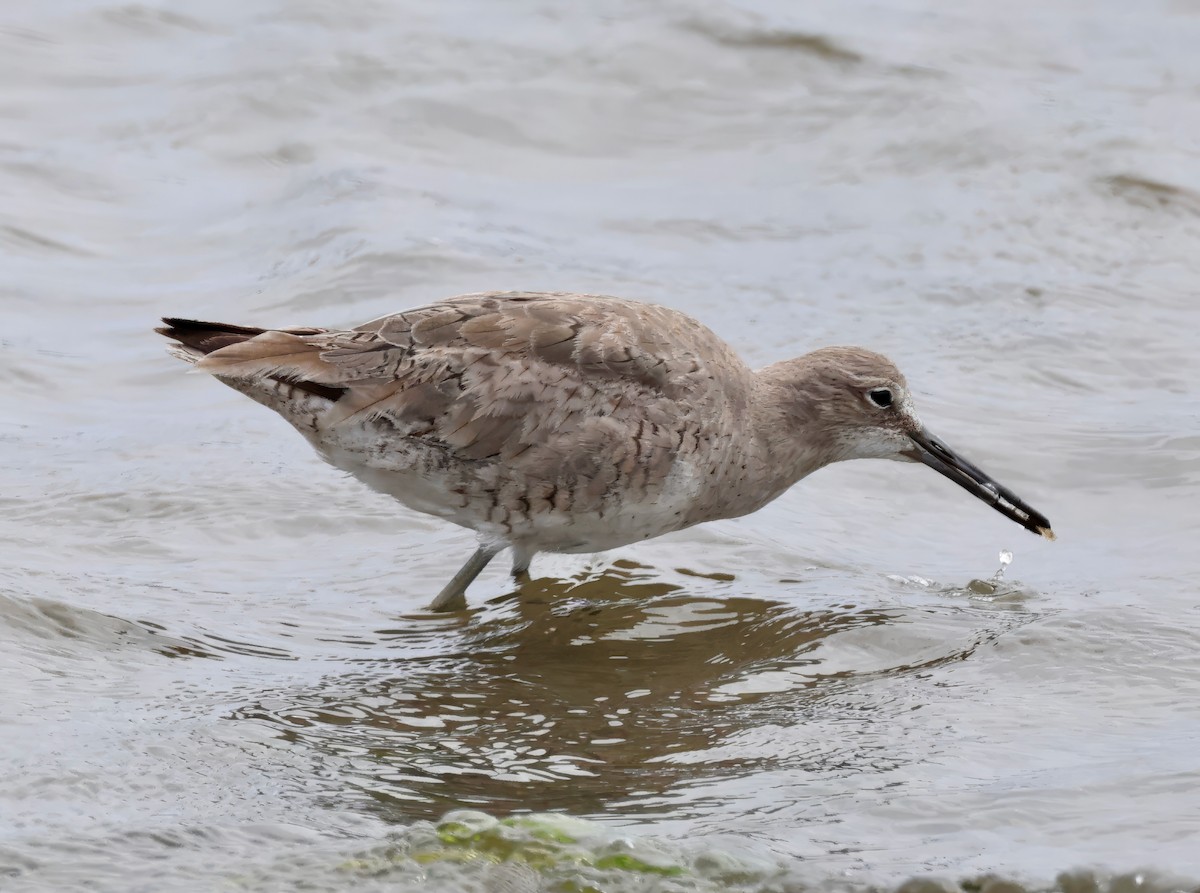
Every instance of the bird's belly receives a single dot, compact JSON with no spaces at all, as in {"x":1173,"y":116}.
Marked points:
{"x":620,"y":520}
{"x":509,"y":507}
{"x":408,"y":472}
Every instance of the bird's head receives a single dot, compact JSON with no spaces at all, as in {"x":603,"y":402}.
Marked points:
{"x":858,"y":406}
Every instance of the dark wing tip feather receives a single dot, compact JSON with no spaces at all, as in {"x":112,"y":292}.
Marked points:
{"x":206,"y":337}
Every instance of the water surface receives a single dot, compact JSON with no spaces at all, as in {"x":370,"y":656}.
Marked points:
{"x":216,"y":668}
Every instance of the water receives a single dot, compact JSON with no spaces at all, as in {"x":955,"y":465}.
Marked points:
{"x":216,"y":670}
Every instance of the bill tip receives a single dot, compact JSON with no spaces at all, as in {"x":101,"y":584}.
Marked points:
{"x":1047,"y":533}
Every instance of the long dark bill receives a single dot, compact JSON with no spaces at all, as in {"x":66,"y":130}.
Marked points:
{"x":944,"y":460}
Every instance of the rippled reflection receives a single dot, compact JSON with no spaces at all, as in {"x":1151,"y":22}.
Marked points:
{"x":580,"y":693}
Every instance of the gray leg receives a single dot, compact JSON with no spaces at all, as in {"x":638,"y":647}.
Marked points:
{"x":453,"y":596}
{"x":521,"y":559}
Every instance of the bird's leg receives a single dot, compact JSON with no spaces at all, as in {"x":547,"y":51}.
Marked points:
{"x":520,"y":566}
{"x":453,"y":595}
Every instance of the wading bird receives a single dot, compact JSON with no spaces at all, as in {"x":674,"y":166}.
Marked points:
{"x":572,"y":423}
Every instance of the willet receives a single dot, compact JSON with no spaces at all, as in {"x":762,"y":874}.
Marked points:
{"x":572,"y":423}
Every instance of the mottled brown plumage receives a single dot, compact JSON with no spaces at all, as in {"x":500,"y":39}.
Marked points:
{"x":563,"y":422}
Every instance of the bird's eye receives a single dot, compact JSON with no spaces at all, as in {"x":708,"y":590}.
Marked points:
{"x":881,"y":397}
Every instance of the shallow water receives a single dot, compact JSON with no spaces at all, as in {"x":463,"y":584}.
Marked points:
{"x":216,"y":668}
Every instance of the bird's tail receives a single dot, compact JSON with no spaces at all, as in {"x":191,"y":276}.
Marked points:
{"x":267,"y":365}
{"x":195,"y":339}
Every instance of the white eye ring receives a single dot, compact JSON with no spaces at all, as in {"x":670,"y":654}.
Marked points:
{"x":881,"y":397}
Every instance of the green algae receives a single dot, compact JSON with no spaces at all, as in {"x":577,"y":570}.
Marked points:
{"x":473,"y":852}
{"x":568,"y":855}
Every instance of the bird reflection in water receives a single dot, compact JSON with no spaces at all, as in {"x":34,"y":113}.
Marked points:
{"x":578,"y":694}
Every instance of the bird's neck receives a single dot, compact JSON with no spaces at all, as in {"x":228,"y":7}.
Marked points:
{"x":790,"y":437}
{"x":774,"y":438}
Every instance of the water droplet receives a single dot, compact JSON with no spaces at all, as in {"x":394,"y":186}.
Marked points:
{"x":1006,"y":557}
